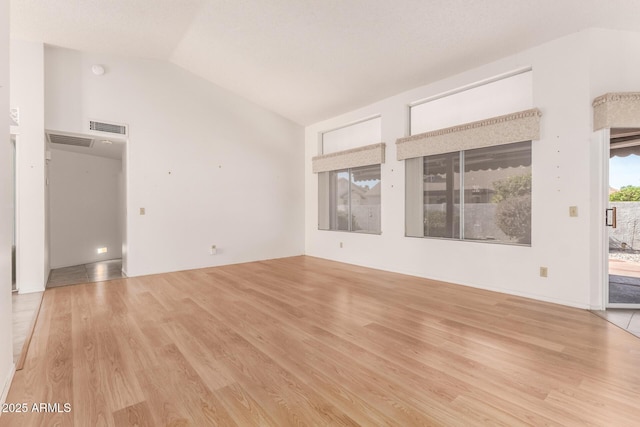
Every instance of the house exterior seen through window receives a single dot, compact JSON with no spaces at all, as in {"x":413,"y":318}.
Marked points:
{"x":481,"y":194}
{"x":354,"y":199}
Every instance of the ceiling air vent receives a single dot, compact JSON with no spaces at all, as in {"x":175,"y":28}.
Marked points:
{"x":76,"y":141}
{"x":107,"y":127}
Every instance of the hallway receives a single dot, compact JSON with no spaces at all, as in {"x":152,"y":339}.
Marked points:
{"x":86,"y":273}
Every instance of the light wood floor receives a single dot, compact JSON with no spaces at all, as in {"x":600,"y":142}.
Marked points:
{"x":304,"y":341}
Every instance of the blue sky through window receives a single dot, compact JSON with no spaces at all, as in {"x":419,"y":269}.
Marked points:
{"x":624,"y":171}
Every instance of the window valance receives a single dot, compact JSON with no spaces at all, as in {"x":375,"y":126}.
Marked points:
{"x":353,"y":158}
{"x":616,"y":110}
{"x":515,"y":127}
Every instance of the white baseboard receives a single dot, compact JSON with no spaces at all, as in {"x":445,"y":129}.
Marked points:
{"x":7,"y":384}
{"x":30,"y":290}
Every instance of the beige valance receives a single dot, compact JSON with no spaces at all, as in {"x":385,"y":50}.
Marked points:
{"x":616,"y":110}
{"x":361,"y":156}
{"x":515,"y":127}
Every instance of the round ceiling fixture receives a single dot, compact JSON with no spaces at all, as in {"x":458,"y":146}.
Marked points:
{"x":98,"y":70}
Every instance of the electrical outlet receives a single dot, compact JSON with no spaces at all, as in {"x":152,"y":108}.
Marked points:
{"x":142,"y":211}
{"x":573,"y":211}
{"x":213,"y":250}
{"x":544,"y":271}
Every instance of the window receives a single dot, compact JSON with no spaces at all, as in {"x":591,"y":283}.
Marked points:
{"x":479,"y":194}
{"x":497,"y":193}
{"x":354,"y":199}
{"x":468,"y":176}
{"x":349,"y":177}
{"x":498,"y":96}
{"x":355,"y":135}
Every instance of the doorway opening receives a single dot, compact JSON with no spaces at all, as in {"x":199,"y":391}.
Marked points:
{"x":87,"y":208}
{"x":623,"y":219}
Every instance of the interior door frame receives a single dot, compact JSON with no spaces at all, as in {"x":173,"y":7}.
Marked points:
{"x":14,"y":138}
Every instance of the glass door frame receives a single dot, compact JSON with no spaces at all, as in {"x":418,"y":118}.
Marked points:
{"x":606,"y":136}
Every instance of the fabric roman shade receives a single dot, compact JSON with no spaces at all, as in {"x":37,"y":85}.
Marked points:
{"x":510,"y":128}
{"x":353,"y":158}
{"x":616,"y":110}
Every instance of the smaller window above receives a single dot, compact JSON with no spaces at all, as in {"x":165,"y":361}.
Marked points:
{"x":355,"y":135}
{"x":496,"y":98}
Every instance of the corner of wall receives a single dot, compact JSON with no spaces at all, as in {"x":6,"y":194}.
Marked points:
{"x":27,"y":93}
{"x":6,"y":180}
{"x":7,"y":384}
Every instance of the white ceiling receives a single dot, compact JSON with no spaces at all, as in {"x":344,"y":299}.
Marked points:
{"x":310,"y":60}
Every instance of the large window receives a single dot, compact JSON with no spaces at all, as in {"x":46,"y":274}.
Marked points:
{"x":468,"y":175}
{"x":479,"y":194}
{"x":354,"y":199}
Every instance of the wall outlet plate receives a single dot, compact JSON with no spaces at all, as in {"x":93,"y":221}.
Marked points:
{"x":573,"y":211}
{"x":544,"y":271}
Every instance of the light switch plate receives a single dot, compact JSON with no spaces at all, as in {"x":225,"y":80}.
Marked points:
{"x":544,"y":271}
{"x":573,"y":211}
{"x":142,"y":211}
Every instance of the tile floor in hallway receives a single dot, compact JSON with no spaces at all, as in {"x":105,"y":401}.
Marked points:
{"x":624,"y":288}
{"x":624,"y":318}
{"x":86,"y":273}
{"x":25,"y":308}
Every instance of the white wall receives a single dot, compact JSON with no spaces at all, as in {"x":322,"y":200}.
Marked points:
{"x":84,"y":208}
{"x":6,"y":342}
{"x":615,"y":62}
{"x":208,"y":166}
{"x":563,"y":161}
{"x":27,"y":94}
{"x":615,"y":67}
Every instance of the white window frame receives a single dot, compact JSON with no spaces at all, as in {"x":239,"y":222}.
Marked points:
{"x":414,"y":220}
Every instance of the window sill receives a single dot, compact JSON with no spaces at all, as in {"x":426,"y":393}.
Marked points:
{"x":490,"y":242}
{"x":371,"y":233}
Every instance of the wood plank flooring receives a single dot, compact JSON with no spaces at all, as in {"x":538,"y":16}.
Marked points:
{"x":305,"y":341}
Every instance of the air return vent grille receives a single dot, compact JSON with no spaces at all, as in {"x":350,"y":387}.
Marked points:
{"x":76,"y":141}
{"x":107,"y":127}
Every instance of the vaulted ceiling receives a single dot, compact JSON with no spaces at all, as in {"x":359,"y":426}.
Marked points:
{"x":313,"y":59}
